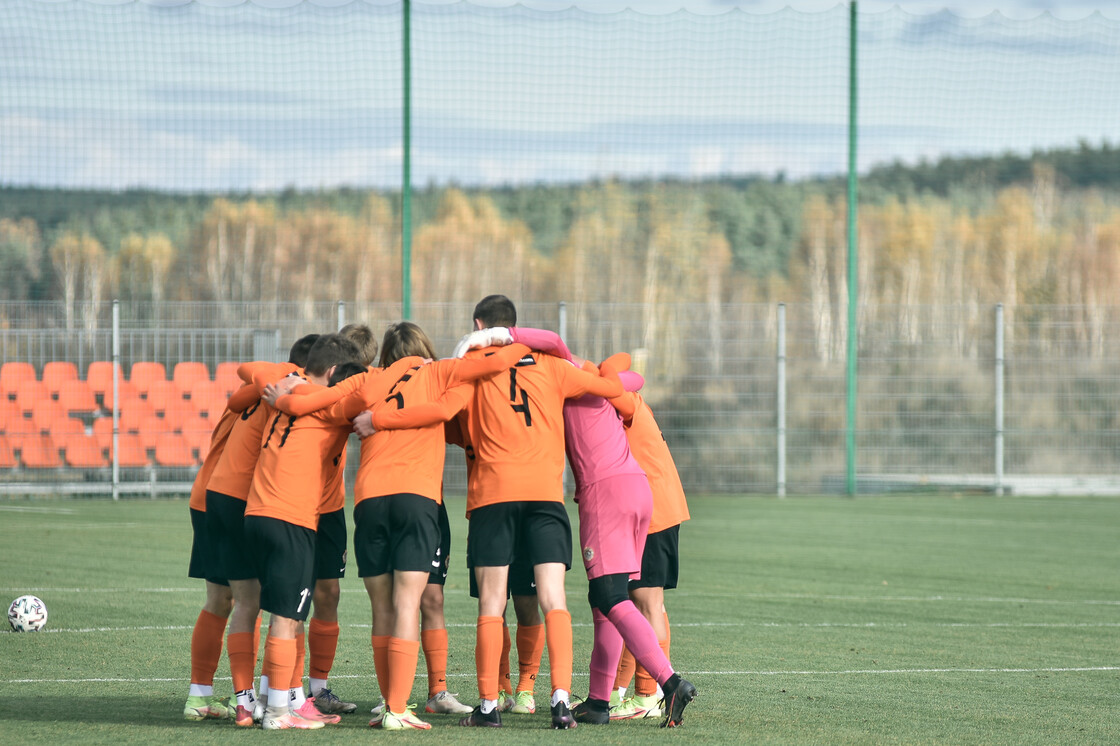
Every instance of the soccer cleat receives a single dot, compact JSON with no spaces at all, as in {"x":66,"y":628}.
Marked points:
{"x":445,"y":703}
{"x":281,"y":718}
{"x":615,"y":699}
{"x":329,"y":703}
{"x":207,"y":708}
{"x":593,"y":712}
{"x":562,"y":717}
{"x":675,"y":700}
{"x":477,"y":719}
{"x":637,"y":707}
{"x":524,"y":704}
{"x":243,"y":718}
{"x":310,"y":711}
{"x":406,"y":720}
{"x":258,"y":711}
{"x":505,"y":701}
{"x":378,"y":712}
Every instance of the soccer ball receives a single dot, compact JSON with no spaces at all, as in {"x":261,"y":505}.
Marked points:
{"x":27,"y":614}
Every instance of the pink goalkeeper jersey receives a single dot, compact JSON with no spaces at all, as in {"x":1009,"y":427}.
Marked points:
{"x":594,"y":436}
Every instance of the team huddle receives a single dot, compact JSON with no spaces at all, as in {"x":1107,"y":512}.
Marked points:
{"x":270,"y":534}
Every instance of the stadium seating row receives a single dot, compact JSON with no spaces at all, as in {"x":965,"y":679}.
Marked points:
{"x":61,"y":420}
{"x":99,"y":375}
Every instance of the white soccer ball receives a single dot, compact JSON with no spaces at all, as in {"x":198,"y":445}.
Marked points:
{"x":27,"y":614}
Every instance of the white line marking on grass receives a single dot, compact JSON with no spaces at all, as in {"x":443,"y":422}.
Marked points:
{"x":30,"y":509}
{"x":851,"y":672}
{"x":863,"y":599}
{"x":82,"y":630}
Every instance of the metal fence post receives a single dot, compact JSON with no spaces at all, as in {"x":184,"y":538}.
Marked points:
{"x":341,"y":314}
{"x":116,"y":399}
{"x":999,"y":399}
{"x":781,"y":400}
{"x":562,"y":330}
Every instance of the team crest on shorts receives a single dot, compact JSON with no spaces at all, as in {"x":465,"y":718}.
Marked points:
{"x":588,"y":554}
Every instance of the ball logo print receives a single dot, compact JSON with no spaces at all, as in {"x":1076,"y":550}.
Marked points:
{"x":27,"y":614}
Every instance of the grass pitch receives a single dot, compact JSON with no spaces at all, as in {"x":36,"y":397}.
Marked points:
{"x":807,"y":620}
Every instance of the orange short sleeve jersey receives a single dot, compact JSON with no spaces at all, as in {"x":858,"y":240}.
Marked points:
{"x":411,"y":460}
{"x":650,"y":450}
{"x":334,"y":489}
{"x":295,"y":457}
{"x":217,"y":444}
{"x":234,"y":471}
{"x":515,"y":424}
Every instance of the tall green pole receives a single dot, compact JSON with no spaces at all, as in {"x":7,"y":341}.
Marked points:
{"x":406,"y":161}
{"x":853,"y":253}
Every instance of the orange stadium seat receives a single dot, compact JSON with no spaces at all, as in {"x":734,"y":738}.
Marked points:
{"x":57,"y":372}
{"x":46,"y":413}
{"x":166,"y":396}
{"x":132,"y":453}
{"x":99,"y":376}
{"x":10,"y":416}
{"x":65,"y":426}
{"x":187,"y":373}
{"x":81,"y":451}
{"x":103,"y":431}
{"x":144,"y":374}
{"x":75,"y":396}
{"x":208,"y":398}
{"x":150,"y":428}
{"x":15,"y":372}
{"x":30,"y":394}
{"x":172,"y":450}
{"x":197,"y":431}
{"x":7,"y":453}
{"x":226,"y":375}
{"x":38,"y":452}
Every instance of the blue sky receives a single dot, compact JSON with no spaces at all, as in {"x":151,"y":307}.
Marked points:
{"x":261,"y":95}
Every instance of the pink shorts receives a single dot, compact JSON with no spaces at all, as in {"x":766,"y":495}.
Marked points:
{"x":613,"y":522}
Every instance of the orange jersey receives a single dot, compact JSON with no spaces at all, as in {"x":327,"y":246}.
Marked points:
{"x":218,"y":440}
{"x":234,"y":471}
{"x":334,"y":489}
{"x":650,"y":450}
{"x":295,"y":460}
{"x":515,"y":424}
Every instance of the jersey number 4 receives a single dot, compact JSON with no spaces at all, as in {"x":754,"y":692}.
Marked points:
{"x":521,"y":406}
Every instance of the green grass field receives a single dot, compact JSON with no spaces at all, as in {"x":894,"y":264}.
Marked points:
{"x":807,"y":620}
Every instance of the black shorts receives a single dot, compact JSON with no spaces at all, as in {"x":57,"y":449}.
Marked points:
{"x":330,"y":546}
{"x":522,"y":581}
{"x":285,"y":556}
{"x":225,"y":525}
{"x":202,"y":553}
{"x":539,"y":532}
{"x":395,"y":532}
{"x":661,"y":560}
{"x":442,"y":559}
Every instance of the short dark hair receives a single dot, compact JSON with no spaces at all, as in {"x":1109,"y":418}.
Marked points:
{"x":298,"y":354}
{"x":362,"y":335}
{"x":496,"y":310}
{"x":328,"y":351}
{"x":403,"y":339}
{"x":342,"y":371}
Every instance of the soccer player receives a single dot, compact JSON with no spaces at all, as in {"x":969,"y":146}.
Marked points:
{"x":661,"y":556}
{"x":226,"y":494}
{"x":330,"y":552}
{"x":281,"y":515}
{"x":210,"y":626}
{"x":515,"y":502}
{"x":615,"y":505}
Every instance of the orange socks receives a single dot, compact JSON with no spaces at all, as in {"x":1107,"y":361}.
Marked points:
{"x":322,"y":642}
{"x":403,"y":655}
{"x":530,"y":646}
{"x":206,"y":647}
{"x":381,"y":662}
{"x":558,"y":633}
{"x":487,"y":651}
{"x":435,"y":656}
{"x":280,"y":662}
{"x":297,"y":669}
{"x":503,"y":662}
{"x":626,"y":667}
{"x":242,"y":660}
